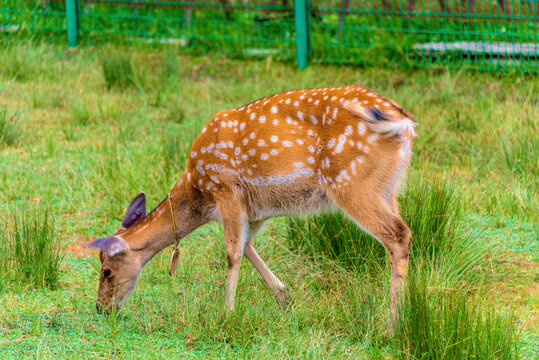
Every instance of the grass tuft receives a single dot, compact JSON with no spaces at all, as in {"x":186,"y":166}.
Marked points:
{"x":447,"y":325}
{"x":118,"y":71}
{"x":521,"y":156}
{"x":9,"y":131}
{"x":29,"y":250}
{"x":336,"y":237}
{"x":431,"y":208}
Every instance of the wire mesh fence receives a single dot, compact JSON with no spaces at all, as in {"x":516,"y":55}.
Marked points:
{"x":495,"y":35}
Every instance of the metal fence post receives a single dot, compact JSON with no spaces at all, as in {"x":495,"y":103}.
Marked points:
{"x":301,"y":14}
{"x":72,"y":19}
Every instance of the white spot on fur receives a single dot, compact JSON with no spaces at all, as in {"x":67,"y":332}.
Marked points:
{"x":361,"y":128}
{"x":274,"y":109}
{"x":287,"y":143}
{"x":274,"y":139}
{"x":372,"y":138}
{"x":339,"y":147}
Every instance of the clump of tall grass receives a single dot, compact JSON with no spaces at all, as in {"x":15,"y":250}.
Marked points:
{"x":435,"y":324}
{"x":521,"y":156}
{"x":29,"y":250}
{"x":8,"y":128}
{"x":118,"y":71}
{"x":82,"y":114}
{"x":337,"y":237}
{"x":431,"y":208}
{"x":25,"y":62}
{"x":174,"y":151}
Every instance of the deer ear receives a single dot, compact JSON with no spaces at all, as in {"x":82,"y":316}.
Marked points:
{"x":111,"y":246}
{"x":136,"y":211}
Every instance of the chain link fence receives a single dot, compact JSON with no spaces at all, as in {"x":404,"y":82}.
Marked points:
{"x":491,"y":35}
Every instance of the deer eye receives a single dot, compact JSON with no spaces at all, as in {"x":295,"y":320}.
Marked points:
{"x":107,"y":273}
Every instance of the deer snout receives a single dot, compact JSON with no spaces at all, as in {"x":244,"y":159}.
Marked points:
{"x":103,"y":308}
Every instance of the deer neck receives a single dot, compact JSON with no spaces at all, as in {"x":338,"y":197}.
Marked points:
{"x":173,"y":219}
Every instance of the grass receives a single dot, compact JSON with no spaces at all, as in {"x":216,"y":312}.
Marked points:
{"x":336,"y":237}
{"x":449,"y":325}
{"x":9,"y":131}
{"x":475,"y":210}
{"x":30,"y":254}
{"x":118,"y":70}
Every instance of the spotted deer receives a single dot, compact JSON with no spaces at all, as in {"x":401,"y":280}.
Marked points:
{"x":294,"y":153}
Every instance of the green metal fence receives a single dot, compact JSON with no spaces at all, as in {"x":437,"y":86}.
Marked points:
{"x":496,"y":35}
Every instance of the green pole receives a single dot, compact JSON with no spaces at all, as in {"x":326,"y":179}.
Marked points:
{"x":72,"y":13}
{"x":301,"y":13}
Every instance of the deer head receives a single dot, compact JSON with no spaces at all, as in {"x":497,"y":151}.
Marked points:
{"x":120,"y":266}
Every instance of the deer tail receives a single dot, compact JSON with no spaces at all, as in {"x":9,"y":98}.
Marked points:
{"x":387,"y":122}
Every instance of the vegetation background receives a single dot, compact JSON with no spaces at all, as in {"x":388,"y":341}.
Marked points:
{"x":83,"y":131}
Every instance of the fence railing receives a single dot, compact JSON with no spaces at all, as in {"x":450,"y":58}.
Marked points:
{"x":494,"y":35}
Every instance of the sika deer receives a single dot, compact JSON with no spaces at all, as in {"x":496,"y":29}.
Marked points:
{"x":297,"y":152}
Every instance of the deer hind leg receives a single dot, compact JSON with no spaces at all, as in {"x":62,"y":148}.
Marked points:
{"x":279,"y":289}
{"x":236,"y":229}
{"x":375,"y":215}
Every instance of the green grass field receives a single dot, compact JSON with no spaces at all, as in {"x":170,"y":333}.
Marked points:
{"x":83,"y":131}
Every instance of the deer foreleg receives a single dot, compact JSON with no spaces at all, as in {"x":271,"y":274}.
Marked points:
{"x":236,"y":229}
